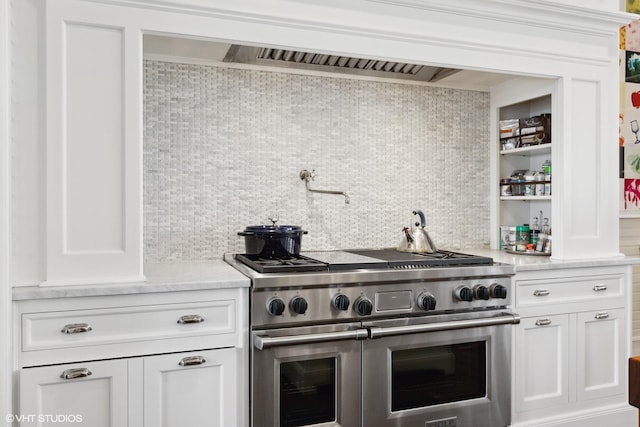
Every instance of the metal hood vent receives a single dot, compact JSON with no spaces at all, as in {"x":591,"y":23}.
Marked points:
{"x":336,"y":64}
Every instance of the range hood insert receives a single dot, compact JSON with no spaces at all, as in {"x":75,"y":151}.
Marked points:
{"x":335,"y":64}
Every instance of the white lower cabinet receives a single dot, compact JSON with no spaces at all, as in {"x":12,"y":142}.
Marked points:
{"x":571,"y":348}
{"x":172,"y":360}
{"x":542,"y":362}
{"x":600,"y":358}
{"x":197,"y":389}
{"x":93,"y":394}
{"x":181,"y":389}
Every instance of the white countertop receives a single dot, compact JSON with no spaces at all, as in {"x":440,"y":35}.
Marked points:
{"x":205,"y":275}
{"x":163,"y":277}
{"x":537,"y":262}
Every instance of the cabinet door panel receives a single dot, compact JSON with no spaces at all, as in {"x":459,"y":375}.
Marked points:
{"x":96,"y":400}
{"x":600,"y":361}
{"x":541,"y":363}
{"x":94,"y":201}
{"x":198,"y":395}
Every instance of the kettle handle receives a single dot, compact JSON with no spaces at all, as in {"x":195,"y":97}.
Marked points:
{"x":423,"y":221}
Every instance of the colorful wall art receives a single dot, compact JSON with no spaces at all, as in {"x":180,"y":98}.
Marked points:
{"x":629,"y":130}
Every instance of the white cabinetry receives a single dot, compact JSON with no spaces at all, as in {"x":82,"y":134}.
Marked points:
{"x":97,"y":396}
{"x":542,"y":362}
{"x":600,"y":338}
{"x":154,"y":360}
{"x":571,"y":346}
{"x":193,"y":389}
{"x":93,"y":144}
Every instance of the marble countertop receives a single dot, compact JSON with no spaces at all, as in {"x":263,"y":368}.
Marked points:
{"x":164,"y":277}
{"x":205,"y":275}
{"x":538,"y":262}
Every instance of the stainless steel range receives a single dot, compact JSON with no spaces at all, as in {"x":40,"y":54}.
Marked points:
{"x":379,"y":338}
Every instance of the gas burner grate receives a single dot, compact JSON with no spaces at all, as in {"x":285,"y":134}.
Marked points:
{"x":295,"y":264}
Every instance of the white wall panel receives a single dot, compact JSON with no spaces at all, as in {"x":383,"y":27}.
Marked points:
{"x":583,"y":183}
{"x":93,"y":140}
{"x":584,"y":172}
{"x":94,"y":62}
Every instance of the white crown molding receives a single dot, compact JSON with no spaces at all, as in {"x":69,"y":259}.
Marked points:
{"x":542,"y":14}
{"x":383,"y":20}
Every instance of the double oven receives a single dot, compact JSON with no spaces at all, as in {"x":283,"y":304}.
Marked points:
{"x":365,"y":341}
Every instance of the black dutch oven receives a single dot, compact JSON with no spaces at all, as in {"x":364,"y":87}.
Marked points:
{"x":272,"y":241}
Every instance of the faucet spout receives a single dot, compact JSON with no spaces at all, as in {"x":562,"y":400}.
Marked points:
{"x":307,"y":176}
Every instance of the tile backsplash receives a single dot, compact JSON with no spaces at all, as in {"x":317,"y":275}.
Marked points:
{"x":224,"y":147}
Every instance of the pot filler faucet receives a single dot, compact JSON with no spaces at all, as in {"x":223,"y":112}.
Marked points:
{"x":307,"y":176}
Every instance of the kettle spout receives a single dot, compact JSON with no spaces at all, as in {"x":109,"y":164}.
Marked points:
{"x":408,"y":235}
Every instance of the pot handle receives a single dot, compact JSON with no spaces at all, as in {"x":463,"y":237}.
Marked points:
{"x":423,"y":221}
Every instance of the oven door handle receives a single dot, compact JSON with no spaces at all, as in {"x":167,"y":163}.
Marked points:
{"x":262,"y":342}
{"x":503,"y":319}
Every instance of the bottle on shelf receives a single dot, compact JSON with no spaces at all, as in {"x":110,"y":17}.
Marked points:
{"x":522,"y":237}
{"x":540,"y":184}
{"x":544,"y":237}
{"x":547,"y":242}
{"x":534,"y":231}
{"x":546,"y":169}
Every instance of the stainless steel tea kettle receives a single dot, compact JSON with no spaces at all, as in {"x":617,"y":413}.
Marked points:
{"x":416,"y":239}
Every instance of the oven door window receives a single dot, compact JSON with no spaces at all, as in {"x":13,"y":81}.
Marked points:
{"x":307,"y":392}
{"x":422,"y":377}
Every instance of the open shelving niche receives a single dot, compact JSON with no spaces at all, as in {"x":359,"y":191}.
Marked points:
{"x":517,"y":210}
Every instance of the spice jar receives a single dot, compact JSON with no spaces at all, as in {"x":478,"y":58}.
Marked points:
{"x":517,"y":183}
{"x":505,"y":187}
{"x":540,"y":184}
{"x":529,"y":183}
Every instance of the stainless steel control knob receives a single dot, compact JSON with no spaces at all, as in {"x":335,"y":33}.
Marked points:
{"x":481,"y":292}
{"x":298,"y":305}
{"x":340,"y":302}
{"x":275,"y":306}
{"x":463,"y":294}
{"x":363,"y":306}
{"x":426,"y":301}
{"x":498,"y":291}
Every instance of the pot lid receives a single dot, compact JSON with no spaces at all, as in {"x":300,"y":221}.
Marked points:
{"x":273,"y":228}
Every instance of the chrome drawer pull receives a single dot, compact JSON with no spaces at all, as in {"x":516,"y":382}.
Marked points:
{"x":600,"y":288}
{"x":192,"y":360}
{"x":70,"y":374}
{"x":190,"y":318}
{"x":76,"y":328}
{"x":601,"y":315}
{"x":541,"y":292}
{"x":543,"y":322}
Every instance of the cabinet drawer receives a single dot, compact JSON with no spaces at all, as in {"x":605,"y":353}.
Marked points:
{"x":574,"y":289}
{"x":77,"y":328}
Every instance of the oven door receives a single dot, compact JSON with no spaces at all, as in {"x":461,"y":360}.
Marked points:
{"x":442,"y":370}
{"x":307,"y":376}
